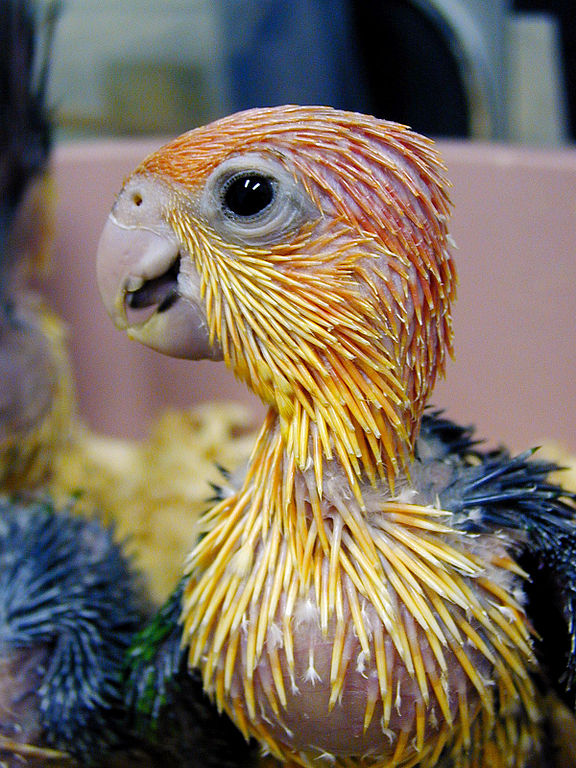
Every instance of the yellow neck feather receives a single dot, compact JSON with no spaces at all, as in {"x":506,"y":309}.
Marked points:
{"x":346,"y":368}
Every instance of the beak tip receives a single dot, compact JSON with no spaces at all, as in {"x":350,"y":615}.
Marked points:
{"x":109,"y":274}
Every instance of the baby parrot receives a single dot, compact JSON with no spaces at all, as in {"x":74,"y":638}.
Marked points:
{"x":69,"y":606}
{"x":375,"y":590}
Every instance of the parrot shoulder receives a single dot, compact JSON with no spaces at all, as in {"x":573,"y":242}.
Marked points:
{"x":513,"y":497}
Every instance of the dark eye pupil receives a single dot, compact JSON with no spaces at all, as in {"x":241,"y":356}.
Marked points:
{"x":248,"y":195}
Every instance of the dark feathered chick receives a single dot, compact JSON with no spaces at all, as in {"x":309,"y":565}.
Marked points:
{"x":364,"y":596}
{"x":69,"y":607}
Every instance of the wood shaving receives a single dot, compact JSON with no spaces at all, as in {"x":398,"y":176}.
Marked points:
{"x":153,"y":490}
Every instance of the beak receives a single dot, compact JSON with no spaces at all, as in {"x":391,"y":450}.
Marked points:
{"x":138,"y":273}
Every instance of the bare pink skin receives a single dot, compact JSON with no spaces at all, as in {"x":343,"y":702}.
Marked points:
{"x":307,"y":724}
{"x":20,"y":717}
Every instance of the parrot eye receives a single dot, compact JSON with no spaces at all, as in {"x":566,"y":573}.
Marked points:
{"x":254,"y":199}
{"x":248,"y":194}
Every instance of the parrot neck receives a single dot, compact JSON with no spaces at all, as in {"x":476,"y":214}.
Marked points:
{"x":345,"y":352}
{"x":359,"y":421}
{"x":351,"y":393}
{"x":362,"y":456}
{"x":294,"y":466}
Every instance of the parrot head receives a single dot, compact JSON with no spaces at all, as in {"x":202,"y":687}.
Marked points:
{"x":305,"y":246}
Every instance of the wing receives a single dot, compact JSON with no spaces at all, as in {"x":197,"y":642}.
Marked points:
{"x":492,"y":490}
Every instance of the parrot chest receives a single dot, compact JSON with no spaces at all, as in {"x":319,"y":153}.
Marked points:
{"x":323,"y":695}
{"x":342,"y":652}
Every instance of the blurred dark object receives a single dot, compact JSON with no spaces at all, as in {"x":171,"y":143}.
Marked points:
{"x":467,"y":68}
{"x":302,"y":52}
{"x":412,"y":69}
{"x":565,"y":12}
{"x":447,"y":68}
{"x":433,"y":66}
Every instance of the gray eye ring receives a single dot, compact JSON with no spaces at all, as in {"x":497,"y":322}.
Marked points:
{"x":277,"y":216}
{"x":248,"y":195}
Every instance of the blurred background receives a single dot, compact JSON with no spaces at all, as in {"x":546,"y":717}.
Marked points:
{"x":503,"y":70}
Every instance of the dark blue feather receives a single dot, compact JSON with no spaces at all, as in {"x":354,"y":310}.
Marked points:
{"x":66,"y":586}
{"x":493,"y":491}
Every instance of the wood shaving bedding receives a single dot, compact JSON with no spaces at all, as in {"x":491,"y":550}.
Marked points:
{"x":153,"y":490}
